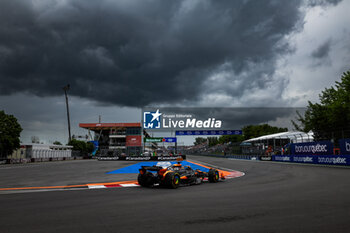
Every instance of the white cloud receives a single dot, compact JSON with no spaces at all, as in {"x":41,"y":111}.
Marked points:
{"x":308,"y":77}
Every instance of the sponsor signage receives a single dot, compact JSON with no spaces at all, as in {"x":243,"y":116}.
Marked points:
{"x":153,"y":139}
{"x":312,"y":148}
{"x":169,"y":139}
{"x":152,"y":120}
{"x":158,"y":120}
{"x":142,"y":158}
{"x":281,"y":158}
{"x":344,"y":145}
{"x":160,"y":139}
{"x":133,"y":140}
{"x":316,"y":159}
{"x":95,"y":143}
{"x":265,"y":158}
{"x":207,"y":132}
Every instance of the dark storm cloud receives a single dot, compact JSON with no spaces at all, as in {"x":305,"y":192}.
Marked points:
{"x":234,"y":118}
{"x":136,"y":53}
{"x":322,"y":51}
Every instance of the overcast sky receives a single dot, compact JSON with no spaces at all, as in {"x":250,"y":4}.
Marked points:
{"x":120,"y":55}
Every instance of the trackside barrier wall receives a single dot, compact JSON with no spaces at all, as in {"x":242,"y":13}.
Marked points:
{"x":33,"y":160}
{"x":142,"y":158}
{"x":37,"y":153}
{"x":344,"y":145}
{"x":340,"y":160}
{"x":246,"y":157}
{"x":343,"y":160}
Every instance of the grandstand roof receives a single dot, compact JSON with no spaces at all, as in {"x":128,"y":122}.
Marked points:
{"x":99,"y":126}
{"x":296,"y":136}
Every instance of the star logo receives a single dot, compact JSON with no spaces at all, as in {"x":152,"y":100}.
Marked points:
{"x":151,"y":120}
{"x":156,"y":115}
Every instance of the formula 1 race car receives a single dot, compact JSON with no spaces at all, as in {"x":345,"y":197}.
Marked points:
{"x":174,"y":175}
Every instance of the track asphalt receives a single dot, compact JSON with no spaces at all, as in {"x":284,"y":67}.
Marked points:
{"x":271,"y":197}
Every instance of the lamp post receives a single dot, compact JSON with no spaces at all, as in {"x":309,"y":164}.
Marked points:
{"x":66,"y":88}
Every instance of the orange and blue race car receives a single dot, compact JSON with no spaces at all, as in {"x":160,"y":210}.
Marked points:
{"x":174,"y":175}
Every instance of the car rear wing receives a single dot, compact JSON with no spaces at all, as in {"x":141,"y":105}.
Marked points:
{"x":151,"y":168}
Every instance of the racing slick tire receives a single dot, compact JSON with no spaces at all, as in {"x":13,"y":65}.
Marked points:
{"x":146,"y":180}
{"x":172,"y":180}
{"x":213,"y":175}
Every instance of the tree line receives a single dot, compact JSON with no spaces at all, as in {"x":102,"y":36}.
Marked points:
{"x":10,"y":130}
{"x":329,"y":120}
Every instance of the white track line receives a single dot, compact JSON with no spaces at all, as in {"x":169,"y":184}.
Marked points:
{"x":97,"y":186}
{"x":129,"y":185}
{"x":39,"y":190}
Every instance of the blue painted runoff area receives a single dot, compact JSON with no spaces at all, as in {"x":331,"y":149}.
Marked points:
{"x":135,"y":167}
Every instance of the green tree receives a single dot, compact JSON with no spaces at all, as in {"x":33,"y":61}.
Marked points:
{"x":10,"y":131}
{"x":57,"y":143}
{"x":84,"y":147}
{"x":253,"y":131}
{"x":230,"y":138}
{"x":199,"y":141}
{"x":330,"y":118}
{"x":212,"y":141}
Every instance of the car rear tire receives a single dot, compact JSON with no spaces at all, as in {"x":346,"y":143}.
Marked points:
{"x":146,"y":180}
{"x":213,"y":175}
{"x":172,"y":180}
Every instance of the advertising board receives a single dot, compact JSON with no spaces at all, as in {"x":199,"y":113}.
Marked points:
{"x":134,"y":140}
{"x":343,"y":160}
{"x":142,"y":158}
{"x":344,"y":145}
{"x":152,"y":139}
{"x":166,"y":139}
{"x":169,"y":139}
{"x":207,"y":132}
{"x":312,"y":148}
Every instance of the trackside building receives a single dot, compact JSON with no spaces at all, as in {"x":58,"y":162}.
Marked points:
{"x":41,"y":151}
{"x":117,"y":139}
